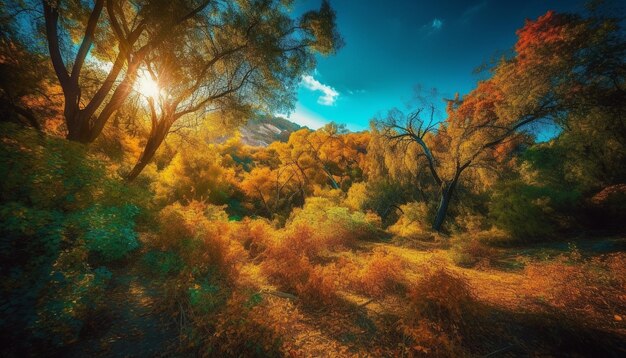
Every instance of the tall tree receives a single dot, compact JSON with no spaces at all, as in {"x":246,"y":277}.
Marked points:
{"x":557,"y":58}
{"x":137,"y":29}
{"x":241,"y":58}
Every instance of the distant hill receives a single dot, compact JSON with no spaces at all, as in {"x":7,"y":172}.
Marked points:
{"x":262,"y":131}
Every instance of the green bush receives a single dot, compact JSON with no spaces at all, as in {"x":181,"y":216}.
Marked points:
{"x":58,"y":206}
{"x":109,"y":231}
{"x":529,"y":212}
{"x":162,"y":263}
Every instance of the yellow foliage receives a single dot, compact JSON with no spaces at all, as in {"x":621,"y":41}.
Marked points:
{"x":413,"y":222}
{"x":255,"y":235}
{"x":195,"y":174}
{"x":199,"y":234}
{"x":357,"y":196}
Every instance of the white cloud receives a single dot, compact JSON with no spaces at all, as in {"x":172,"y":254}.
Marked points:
{"x":329,"y":94}
{"x":436,"y":24}
{"x":473,"y":10}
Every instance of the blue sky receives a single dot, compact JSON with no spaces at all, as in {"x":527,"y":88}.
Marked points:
{"x":393,"y":47}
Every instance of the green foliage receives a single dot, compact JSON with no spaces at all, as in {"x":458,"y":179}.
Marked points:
{"x":76,"y":293}
{"x":29,"y":244}
{"x":381,"y":197}
{"x":205,"y":297}
{"x":162,"y":263}
{"x":109,"y":231}
{"x":58,"y":207}
{"x":530,"y":212}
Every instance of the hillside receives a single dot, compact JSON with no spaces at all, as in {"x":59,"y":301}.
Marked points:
{"x":261,"y":131}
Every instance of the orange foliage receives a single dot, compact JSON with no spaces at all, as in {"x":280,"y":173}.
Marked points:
{"x":580,"y":286}
{"x":247,"y":328}
{"x":550,"y":30}
{"x":255,"y":236}
{"x":198,"y":233}
{"x":441,"y":307}
{"x":382,"y":274}
{"x":290,"y":263}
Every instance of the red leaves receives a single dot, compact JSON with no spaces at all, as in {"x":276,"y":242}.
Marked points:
{"x":546,"y":38}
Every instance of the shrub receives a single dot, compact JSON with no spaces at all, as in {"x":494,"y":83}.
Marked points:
{"x":75,"y":293}
{"x":255,"y":236}
{"x":493,"y":237}
{"x":195,"y":173}
{"x":290,"y":264}
{"x":441,"y":296}
{"x":382,"y":274}
{"x":334,"y":225}
{"x":357,"y":196}
{"x":413,"y":222}
{"x":199,"y":234}
{"x":196,"y":252}
{"x":29,"y":245}
{"x":162,"y":263}
{"x":58,"y":207}
{"x":441,"y":305}
{"x":109,"y":231}
{"x":593,"y":286}
{"x":294,"y":262}
{"x":320,"y":286}
{"x":529,"y":212}
{"x":467,"y":251}
{"x":254,"y":325}
{"x":470,"y":222}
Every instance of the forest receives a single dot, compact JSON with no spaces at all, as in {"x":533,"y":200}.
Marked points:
{"x":138,"y":219}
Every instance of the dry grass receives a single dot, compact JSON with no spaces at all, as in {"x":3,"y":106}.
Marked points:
{"x":593,"y":290}
{"x":337,"y":297}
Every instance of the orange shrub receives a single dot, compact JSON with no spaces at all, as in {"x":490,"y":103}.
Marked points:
{"x":254,"y":325}
{"x":198,"y":234}
{"x":470,"y":252}
{"x":255,"y":236}
{"x":291,"y":263}
{"x":382,"y":274}
{"x":592,"y":286}
{"x":441,"y":304}
{"x":426,"y":338}
{"x":320,"y":286}
{"x":441,"y":296}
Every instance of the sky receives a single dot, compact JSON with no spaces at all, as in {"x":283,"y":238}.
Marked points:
{"x":395,"y":47}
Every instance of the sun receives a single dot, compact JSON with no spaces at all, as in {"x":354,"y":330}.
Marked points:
{"x":147,"y":86}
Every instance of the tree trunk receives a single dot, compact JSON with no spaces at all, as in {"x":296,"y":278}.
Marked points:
{"x":157,"y":135}
{"x":332,"y":180}
{"x":446,"y":194}
{"x":77,"y":126}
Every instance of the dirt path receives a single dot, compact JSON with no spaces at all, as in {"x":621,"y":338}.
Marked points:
{"x":129,"y":325}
